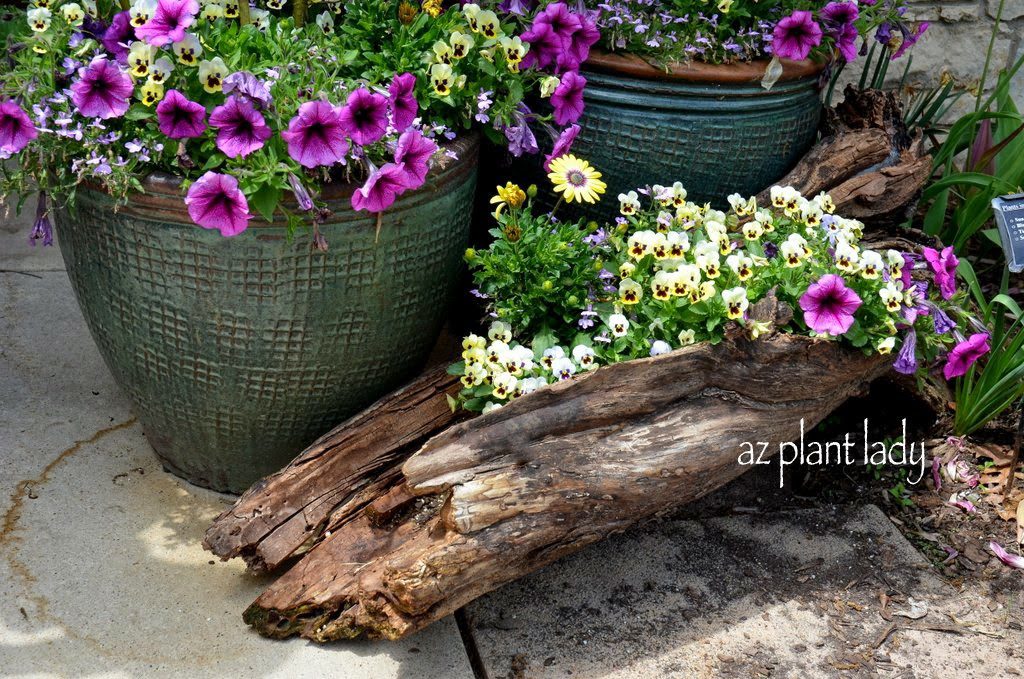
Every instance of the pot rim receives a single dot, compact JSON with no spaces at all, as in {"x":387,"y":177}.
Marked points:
{"x":162,"y":190}
{"x":741,"y":73}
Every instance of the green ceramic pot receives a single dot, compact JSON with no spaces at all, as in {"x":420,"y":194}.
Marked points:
{"x":239,"y":352}
{"x":714,"y":128}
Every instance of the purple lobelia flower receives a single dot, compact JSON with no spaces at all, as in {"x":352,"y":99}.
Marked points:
{"x":964,"y":354}
{"x":41,"y":228}
{"x":241,"y":129}
{"x":829,"y":305}
{"x":943,"y":264}
{"x":215,"y":202}
{"x":118,"y":35}
{"x":906,"y":359}
{"x":316,"y":135}
{"x":380,"y":190}
{"x":248,"y":86}
{"x":365,"y":116}
{"x":102,"y":90}
{"x":562,"y":145}
{"x":402,"y":101}
{"x":413,"y":154}
{"x":168,"y":23}
{"x":180,"y":118}
{"x":16,"y":128}
{"x":567,"y":98}
{"x":796,"y":35}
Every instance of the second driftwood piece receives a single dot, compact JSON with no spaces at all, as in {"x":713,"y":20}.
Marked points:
{"x":492,"y":499}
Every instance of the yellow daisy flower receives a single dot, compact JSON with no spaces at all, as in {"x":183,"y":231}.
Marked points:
{"x":576,"y":180}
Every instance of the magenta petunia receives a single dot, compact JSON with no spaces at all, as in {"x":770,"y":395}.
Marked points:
{"x":404,"y":106}
{"x":215,"y":202}
{"x":837,"y":14}
{"x":964,"y":354}
{"x":241,"y":129}
{"x":413,"y":154}
{"x":796,"y":35}
{"x":180,"y":118}
{"x":576,"y":46}
{"x":545,"y":47}
{"x":829,"y":305}
{"x":316,"y":135}
{"x":102,"y":90}
{"x":567,"y":99}
{"x":380,"y":190}
{"x":169,"y":22}
{"x":846,"y":42}
{"x":943,"y":264}
{"x":16,"y":128}
{"x":910,"y":39}
{"x":365,"y":116}
{"x":562,"y":145}
{"x":118,"y":36}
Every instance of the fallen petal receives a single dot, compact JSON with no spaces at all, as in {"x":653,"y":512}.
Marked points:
{"x":951,"y":552}
{"x":1011,"y":560}
{"x":936,"y":476}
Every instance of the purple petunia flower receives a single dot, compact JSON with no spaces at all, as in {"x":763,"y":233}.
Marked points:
{"x":117,"y":36}
{"x":102,"y":90}
{"x":16,"y":128}
{"x":838,"y":14}
{"x":943,"y":323}
{"x":545,"y":47}
{"x":241,"y":129}
{"x":944,"y":265}
{"x":402,"y":101}
{"x":906,"y":359}
{"x":248,"y":86}
{"x":846,"y":42}
{"x":521,"y":139}
{"x":316,"y":135}
{"x":829,"y":305}
{"x":180,"y":118}
{"x":909,"y":39}
{"x":215,"y":202}
{"x":413,"y":154}
{"x":41,"y":228}
{"x":562,"y":145}
{"x":567,"y":98}
{"x":380,"y":190}
{"x":796,"y":35}
{"x":964,"y":354}
{"x":365,"y":116}
{"x":577,"y":44}
{"x":168,"y":23}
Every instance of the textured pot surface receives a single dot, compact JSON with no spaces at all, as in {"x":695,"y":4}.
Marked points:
{"x":714,"y":128}
{"x":239,"y":352}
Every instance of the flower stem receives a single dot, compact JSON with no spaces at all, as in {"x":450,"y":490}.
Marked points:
{"x":243,"y":13}
{"x":125,"y":5}
{"x":988,"y":56}
{"x":299,"y":13}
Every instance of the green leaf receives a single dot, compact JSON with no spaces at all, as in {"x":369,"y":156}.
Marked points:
{"x":265,"y":200}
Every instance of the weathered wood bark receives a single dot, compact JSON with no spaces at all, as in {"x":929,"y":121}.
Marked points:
{"x":284,"y":515}
{"x":867,"y":161}
{"x":499,"y":496}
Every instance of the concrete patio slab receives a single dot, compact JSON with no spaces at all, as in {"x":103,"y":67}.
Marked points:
{"x":101,"y":569}
{"x":791,"y":594}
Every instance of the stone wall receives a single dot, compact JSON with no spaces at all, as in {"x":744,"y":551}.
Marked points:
{"x":957,"y":40}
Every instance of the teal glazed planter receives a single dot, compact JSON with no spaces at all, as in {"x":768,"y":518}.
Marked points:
{"x":239,"y":352}
{"x":713,"y":128}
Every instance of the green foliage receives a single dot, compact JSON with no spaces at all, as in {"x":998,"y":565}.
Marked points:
{"x":996,"y":382}
{"x":991,"y":139}
{"x":538,"y":271}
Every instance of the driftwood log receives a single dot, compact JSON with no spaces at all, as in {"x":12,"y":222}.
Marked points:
{"x":403,"y":514}
{"x":869,"y":163}
{"x":494,"y":498}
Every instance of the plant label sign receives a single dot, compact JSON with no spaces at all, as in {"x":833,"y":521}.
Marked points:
{"x":1010,"y":222}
